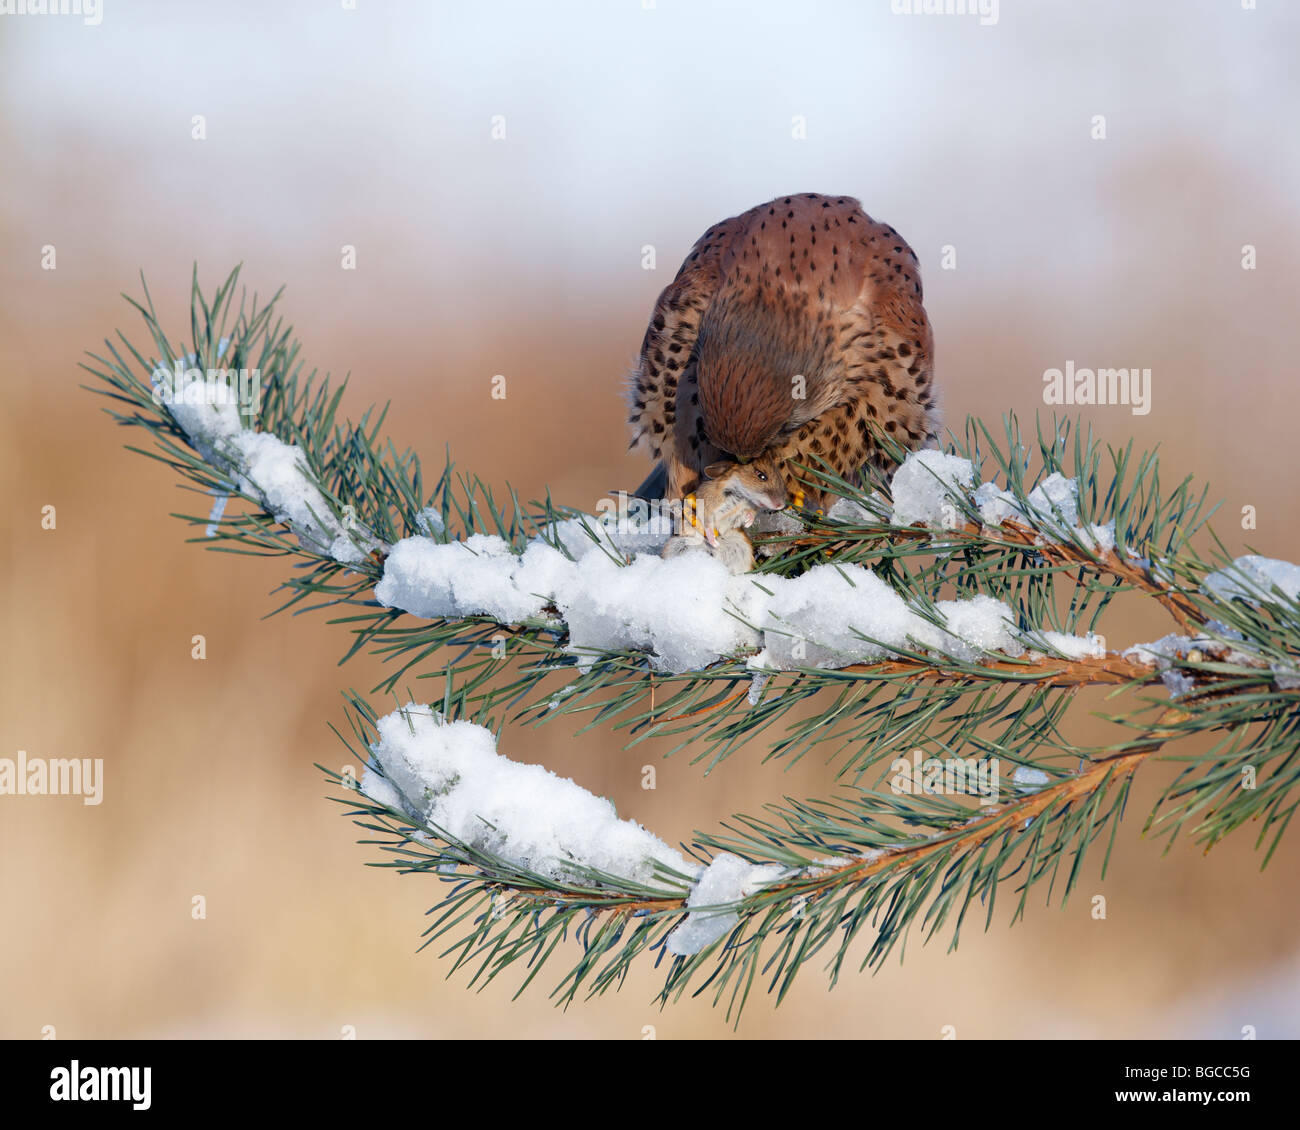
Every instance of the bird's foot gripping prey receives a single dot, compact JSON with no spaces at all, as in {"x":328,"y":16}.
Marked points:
{"x":727,"y":503}
{"x":793,"y":334}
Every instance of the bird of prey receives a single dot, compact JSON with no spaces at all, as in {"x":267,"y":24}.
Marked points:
{"x":790,"y":332}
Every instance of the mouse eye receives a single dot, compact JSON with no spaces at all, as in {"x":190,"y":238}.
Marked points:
{"x":762,"y":477}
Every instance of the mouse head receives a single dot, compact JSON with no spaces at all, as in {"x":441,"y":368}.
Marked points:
{"x":757,"y":482}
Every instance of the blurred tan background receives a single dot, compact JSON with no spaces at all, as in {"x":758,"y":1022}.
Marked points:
{"x":626,"y":124}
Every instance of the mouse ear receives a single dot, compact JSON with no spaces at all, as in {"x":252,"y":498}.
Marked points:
{"x":717,"y":470}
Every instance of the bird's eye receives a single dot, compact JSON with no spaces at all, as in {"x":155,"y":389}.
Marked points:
{"x":762,"y":477}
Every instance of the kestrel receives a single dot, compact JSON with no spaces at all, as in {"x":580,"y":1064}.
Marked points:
{"x":790,"y":331}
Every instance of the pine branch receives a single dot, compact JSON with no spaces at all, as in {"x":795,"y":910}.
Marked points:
{"x":1051,"y":538}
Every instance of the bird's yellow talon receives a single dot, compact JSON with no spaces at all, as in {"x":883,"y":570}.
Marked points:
{"x":798,"y":499}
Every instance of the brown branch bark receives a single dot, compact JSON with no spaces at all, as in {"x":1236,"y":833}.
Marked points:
{"x":1111,"y":670}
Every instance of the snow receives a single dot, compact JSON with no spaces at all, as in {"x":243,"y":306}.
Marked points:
{"x":206,"y":407}
{"x":1163,"y":652}
{"x":1053,"y":506}
{"x":450,"y":775}
{"x":1055,"y":501}
{"x":680,"y":609}
{"x":557,"y":699}
{"x":278,"y":474}
{"x":687,"y":612}
{"x":1028,"y":779}
{"x":925,"y":486}
{"x":429,"y":522}
{"x":759,"y":665}
{"x":824,"y":865}
{"x":1100,"y":538}
{"x":204,"y":403}
{"x":1286,"y":678}
{"x":976,"y":625}
{"x":218,"y":511}
{"x":846,"y":510}
{"x":1091,"y":646}
{"x":1220,"y":630}
{"x":506,"y":586}
{"x":418,"y":576}
{"x":381,"y":790}
{"x":609,"y":534}
{"x":1252,"y":579}
{"x":1160,"y":652}
{"x":996,"y":505}
{"x":480,"y":576}
{"x":727,"y":879}
{"x":819,"y":619}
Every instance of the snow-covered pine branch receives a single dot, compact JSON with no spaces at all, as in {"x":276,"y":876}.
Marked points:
{"x":606,"y":588}
{"x":951,"y":611}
